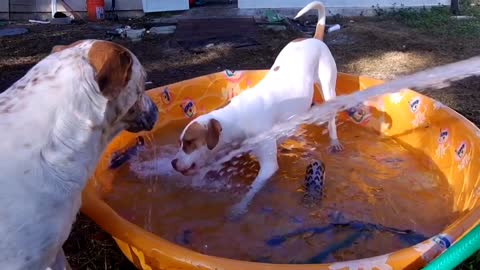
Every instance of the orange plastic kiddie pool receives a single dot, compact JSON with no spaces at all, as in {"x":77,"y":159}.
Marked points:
{"x":445,"y":141}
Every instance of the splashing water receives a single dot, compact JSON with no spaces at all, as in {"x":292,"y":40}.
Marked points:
{"x":144,"y":167}
{"x":160,"y":166}
{"x":434,"y":78}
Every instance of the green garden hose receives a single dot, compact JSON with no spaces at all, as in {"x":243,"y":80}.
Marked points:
{"x":457,"y":253}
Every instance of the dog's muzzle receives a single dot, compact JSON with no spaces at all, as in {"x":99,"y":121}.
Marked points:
{"x":145,"y":121}
{"x":186,"y":171}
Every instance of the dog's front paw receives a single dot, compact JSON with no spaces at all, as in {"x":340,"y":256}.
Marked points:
{"x":335,"y":146}
{"x":237,"y":211}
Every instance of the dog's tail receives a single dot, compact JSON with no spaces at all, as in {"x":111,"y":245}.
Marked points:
{"x":320,"y":7}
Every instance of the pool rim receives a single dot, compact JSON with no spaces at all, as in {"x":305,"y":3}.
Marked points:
{"x":144,"y":248}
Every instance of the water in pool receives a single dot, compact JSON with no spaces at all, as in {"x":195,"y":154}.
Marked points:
{"x":379,"y":197}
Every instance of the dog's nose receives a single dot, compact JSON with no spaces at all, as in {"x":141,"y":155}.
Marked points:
{"x":174,"y":164}
{"x":146,"y":119}
{"x":151,"y":118}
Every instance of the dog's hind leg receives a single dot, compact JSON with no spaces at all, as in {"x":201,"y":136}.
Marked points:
{"x":60,"y":262}
{"x":266,"y":154}
{"x":327,"y":78}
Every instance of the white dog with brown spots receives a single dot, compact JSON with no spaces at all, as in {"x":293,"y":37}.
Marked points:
{"x":56,"y":121}
{"x":300,"y":65}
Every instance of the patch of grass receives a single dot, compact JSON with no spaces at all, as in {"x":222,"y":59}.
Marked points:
{"x":473,"y":263}
{"x":437,"y":20}
{"x":470,"y":7}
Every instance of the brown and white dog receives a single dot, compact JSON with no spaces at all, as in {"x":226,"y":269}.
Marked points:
{"x":300,"y":65}
{"x":56,"y":121}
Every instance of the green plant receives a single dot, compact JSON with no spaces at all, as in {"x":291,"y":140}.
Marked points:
{"x":437,"y":19}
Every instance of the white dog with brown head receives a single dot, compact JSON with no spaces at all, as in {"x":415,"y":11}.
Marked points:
{"x":286,"y":90}
{"x":56,"y":121}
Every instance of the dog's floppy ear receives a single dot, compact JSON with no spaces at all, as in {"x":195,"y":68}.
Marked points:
{"x":113,"y":65}
{"x":213,"y":133}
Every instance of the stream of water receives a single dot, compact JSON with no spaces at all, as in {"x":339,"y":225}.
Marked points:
{"x":434,"y":78}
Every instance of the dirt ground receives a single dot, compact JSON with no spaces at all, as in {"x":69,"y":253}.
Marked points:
{"x":376,"y":47}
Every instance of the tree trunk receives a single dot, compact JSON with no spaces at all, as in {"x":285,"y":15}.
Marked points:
{"x":454,"y":7}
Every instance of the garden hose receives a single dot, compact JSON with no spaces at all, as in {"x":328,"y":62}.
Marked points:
{"x":457,"y":253}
